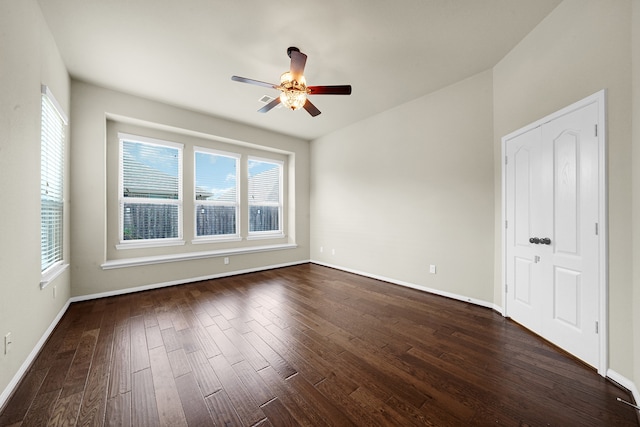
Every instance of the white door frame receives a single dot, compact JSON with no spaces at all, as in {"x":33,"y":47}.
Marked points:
{"x":598,"y":98}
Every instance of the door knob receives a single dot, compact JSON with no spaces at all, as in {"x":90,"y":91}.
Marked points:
{"x":534,"y":240}
{"x":545,"y":241}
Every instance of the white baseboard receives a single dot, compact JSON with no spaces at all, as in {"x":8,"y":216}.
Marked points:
{"x":611,"y":374}
{"x":4,"y":396}
{"x":414,"y":286}
{"x":626,"y":383}
{"x":182,"y":281}
{"x":6,"y":393}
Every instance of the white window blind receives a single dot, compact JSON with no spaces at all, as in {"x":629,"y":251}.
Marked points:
{"x":216,"y":193}
{"x":150,"y":189}
{"x":265,"y":195}
{"x":51,"y":181}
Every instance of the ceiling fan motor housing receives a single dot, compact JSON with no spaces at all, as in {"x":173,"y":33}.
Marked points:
{"x":292,"y":49}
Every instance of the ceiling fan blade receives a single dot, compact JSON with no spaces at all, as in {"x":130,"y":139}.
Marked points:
{"x":330,"y":90}
{"x":253,"y":82}
{"x":298,"y":60}
{"x":311,"y":109}
{"x":270,"y":105}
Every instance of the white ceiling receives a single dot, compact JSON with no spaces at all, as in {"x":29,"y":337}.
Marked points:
{"x":185,"y":52}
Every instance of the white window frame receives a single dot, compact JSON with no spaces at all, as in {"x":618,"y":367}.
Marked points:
{"x":52,"y":145}
{"x":255,"y":235}
{"x":218,"y":237}
{"x":145,"y":243}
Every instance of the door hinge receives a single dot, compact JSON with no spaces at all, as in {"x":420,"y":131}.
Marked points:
{"x":506,"y":288}
{"x":506,"y":224}
{"x":597,"y":327}
{"x":597,"y":231}
{"x":596,"y":129}
{"x":506,"y":160}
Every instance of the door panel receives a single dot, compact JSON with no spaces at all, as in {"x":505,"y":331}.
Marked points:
{"x":566,"y":298}
{"x":521,"y":215}
{"x":566,"y":192}
{"x":522,"y":291}
{"x":574,"y":257}
{"x":551,"y":192}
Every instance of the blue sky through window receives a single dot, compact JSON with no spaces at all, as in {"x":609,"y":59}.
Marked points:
{"x":163,"y":159}
{"x":215,"y":176}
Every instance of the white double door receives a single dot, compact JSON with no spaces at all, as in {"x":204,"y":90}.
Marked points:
{"x":552,"y":231}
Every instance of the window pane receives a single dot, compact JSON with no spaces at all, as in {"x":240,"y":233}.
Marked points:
{"x":150,"y":221}
{"x":217,"y":189}
{"x":51,"y":183}
{"x":216,"y":177}
{"x":150,"y":171}
{"x":212,"y":220}
{"x":264,"y":182}
{"x":264,"y":218}
{"x":151,"y":195}
{"x":265,"y":188}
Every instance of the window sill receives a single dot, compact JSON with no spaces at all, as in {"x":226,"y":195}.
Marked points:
{"x":204,"y":240}
{"x":142,"y":261}
{"x":265,"y":236}
{"x":51,"y":274}
{"x":133,"y":244}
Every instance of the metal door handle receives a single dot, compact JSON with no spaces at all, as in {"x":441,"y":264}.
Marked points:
{"x":540,"y":241}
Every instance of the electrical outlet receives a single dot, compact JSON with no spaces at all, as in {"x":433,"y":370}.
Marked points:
{"x":432,"y":269}
{"x":321,"y":249}
{"x":7,"y":342}
{"x":333,"y":251}
{"x":226,"y":260}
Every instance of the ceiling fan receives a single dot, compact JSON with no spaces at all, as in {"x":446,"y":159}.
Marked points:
{"x":293,"y":86}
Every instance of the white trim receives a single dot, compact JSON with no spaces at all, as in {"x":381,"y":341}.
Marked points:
{"x":6,"y":393}
{"x":196,"y":202}
{"x":280,"y":204}
{"x":624,"y":382}
{"x":11,"y":386}
{"x":264,"y":160}
{"x":51,"y":273}
{"x":438,"y":292}
{"x":122,"y":201}
{"x":263,"y":235}
{"x":183,"y":281}
{"x":150,"y":243}
{"x":213,"y":239}
{"x":44,"y":89}
{"x":122,"y":136}
{"x":199,"y":149}
{"x":189,"y":256}
{"x":9,"y":389}
{"x":600,"y":99}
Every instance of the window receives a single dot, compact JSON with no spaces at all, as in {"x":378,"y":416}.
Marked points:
{"x":51,"y":182}
{"x":150,"y":190}
{"x":265,"y":196}
{"x":216,"y":193}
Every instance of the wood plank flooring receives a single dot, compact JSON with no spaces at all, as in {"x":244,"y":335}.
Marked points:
{"x":303,"y":346}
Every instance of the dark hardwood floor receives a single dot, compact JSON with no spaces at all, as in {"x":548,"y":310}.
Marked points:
{"x":304,"y":345}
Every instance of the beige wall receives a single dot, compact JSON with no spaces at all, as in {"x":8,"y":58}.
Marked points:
{"x":28,"y":58}
{"x":411,"y":187}
{"x":93,"y":237}
{"x":583,"y":46}
{"x":636,"y":190}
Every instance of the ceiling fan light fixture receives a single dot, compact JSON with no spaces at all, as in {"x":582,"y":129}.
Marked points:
{"x":293,"y":87}
{"x":293,"y":99}
{"x":294,"y":92}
